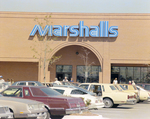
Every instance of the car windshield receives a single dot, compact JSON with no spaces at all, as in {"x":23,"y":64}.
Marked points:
{"x":84,"y":86}
{"x":147,"y":87}
{"x":50,"y":92}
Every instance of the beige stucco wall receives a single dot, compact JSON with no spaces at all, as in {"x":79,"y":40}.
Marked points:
{"x":130,"y":47}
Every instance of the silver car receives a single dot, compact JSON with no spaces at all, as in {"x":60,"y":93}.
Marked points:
{"x":24,"y":108}
{"x":5,"y":113}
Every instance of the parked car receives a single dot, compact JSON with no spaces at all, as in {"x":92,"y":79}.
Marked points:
{"x":24,"y":108}
{"x":88,"y":92}
{"x":4,"y":85}
{"x":112,"y":97}
{"x":27,"y":83}
{"x":5,"y":113}
{"x":130,"y":89}
{"x":146,"y":86}
{"x":55,"y":102}
{"x":93,"y":102}
{"x":75,"y":83}
{"x":144,"y":94}
{"x":48,"y":84}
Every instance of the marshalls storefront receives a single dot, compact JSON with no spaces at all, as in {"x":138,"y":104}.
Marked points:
{"x":89,"y":47}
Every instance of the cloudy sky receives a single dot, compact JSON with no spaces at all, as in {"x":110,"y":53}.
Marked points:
{"x":81,"y":6}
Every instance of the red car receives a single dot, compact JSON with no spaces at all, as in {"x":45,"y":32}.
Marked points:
{"x":56,"y":103}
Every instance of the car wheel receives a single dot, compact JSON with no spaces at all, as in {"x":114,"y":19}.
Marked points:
{"x":47,"y":115}
{"x":108,"y":103}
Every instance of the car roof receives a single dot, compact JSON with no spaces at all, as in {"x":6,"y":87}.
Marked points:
{"x":97,"y":83}
{"x":60,"y":87}
{"x":21,"y":86}
{"x":27,"y":81}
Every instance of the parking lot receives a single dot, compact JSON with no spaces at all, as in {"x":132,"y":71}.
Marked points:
{"x":137,"y":111}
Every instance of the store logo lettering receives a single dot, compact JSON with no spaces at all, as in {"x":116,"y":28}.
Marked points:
{"x":103,"y":30}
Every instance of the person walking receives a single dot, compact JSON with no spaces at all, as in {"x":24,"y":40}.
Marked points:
{"x":71,"y":80}
{"x":65,"y":79}
{"x":115,"y":81}
{"x":133,"y":83}
{"x":57,"y":82}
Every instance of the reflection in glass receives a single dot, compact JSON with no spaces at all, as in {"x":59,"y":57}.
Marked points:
{"x":123,"y":74}
{"x":137,"y":74}
{"x":143,"y":73}
{"x":92,"y":73}
{"x":63,"y":68}
{"x":129,"y":73}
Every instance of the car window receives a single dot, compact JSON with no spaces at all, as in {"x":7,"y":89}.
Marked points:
{"x":32,"y":84}
{"x":76,"y":91}
{"x":147,"y":87}
{"x":37,"y":92}
{"x":91,"y":88}
{"x":50,"y":92}
{"x":126,"y":86}
{"x":117,"y":87}
{"x":103,"y":88}
{"x":60,"y":91}
{"x":15,"y":92}
{"x":84,"y":86}
{"x":23,"y":83}
{"x":97,"y":88}
{"x":26,"y":91}
{"x":112,"y":88}
{"x":122,"y":87}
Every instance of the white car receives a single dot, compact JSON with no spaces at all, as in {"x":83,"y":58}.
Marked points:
{"x":93,"y":102}
{"x":143,"y":94}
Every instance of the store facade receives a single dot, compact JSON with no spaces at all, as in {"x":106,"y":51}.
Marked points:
{"x":93,"y":47}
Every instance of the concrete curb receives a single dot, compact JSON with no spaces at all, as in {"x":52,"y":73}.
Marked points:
{"x":83,"y":117}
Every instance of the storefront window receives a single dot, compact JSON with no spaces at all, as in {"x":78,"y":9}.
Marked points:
{"x":63,"y":68}
{"x":63,"y":71}
{"x":92,"y":73}
{"x":123,"y":74}
{"x":143,"y":74}
{"x":129,"y":73}
{"x":137,"y":74}
{"x":115,"y":69}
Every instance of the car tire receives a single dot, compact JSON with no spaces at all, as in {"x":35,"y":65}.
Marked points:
{"x":48,"y":115}
{"x":108,"y":103}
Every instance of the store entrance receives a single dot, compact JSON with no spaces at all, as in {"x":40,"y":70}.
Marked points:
{"x":61,"y":76}
{"x":113,"y":76}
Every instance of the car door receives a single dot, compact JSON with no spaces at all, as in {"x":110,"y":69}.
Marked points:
{"x":26,"y":93}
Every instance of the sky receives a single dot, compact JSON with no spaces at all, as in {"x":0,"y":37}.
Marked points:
{"x":76,"y":6}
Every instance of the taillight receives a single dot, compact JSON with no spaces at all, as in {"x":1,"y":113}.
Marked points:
{"x":134,"y":96}
{"x":73,"y":105}
{"x":148,"y":94}
{"x":130,"y":96}
{"x":96,"y":101}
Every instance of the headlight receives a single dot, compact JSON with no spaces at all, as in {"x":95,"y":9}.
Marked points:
{"x":31,"y":107}
{"x":6,"y":109}
{"x":41,"y":106}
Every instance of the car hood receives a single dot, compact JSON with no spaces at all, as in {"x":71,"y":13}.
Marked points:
{"x":26,"y":101}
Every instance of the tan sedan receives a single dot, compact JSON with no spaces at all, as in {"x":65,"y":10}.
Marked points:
{"x":24,"y":108}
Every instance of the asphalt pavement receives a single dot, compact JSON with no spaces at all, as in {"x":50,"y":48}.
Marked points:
{"x":138,"y":111}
